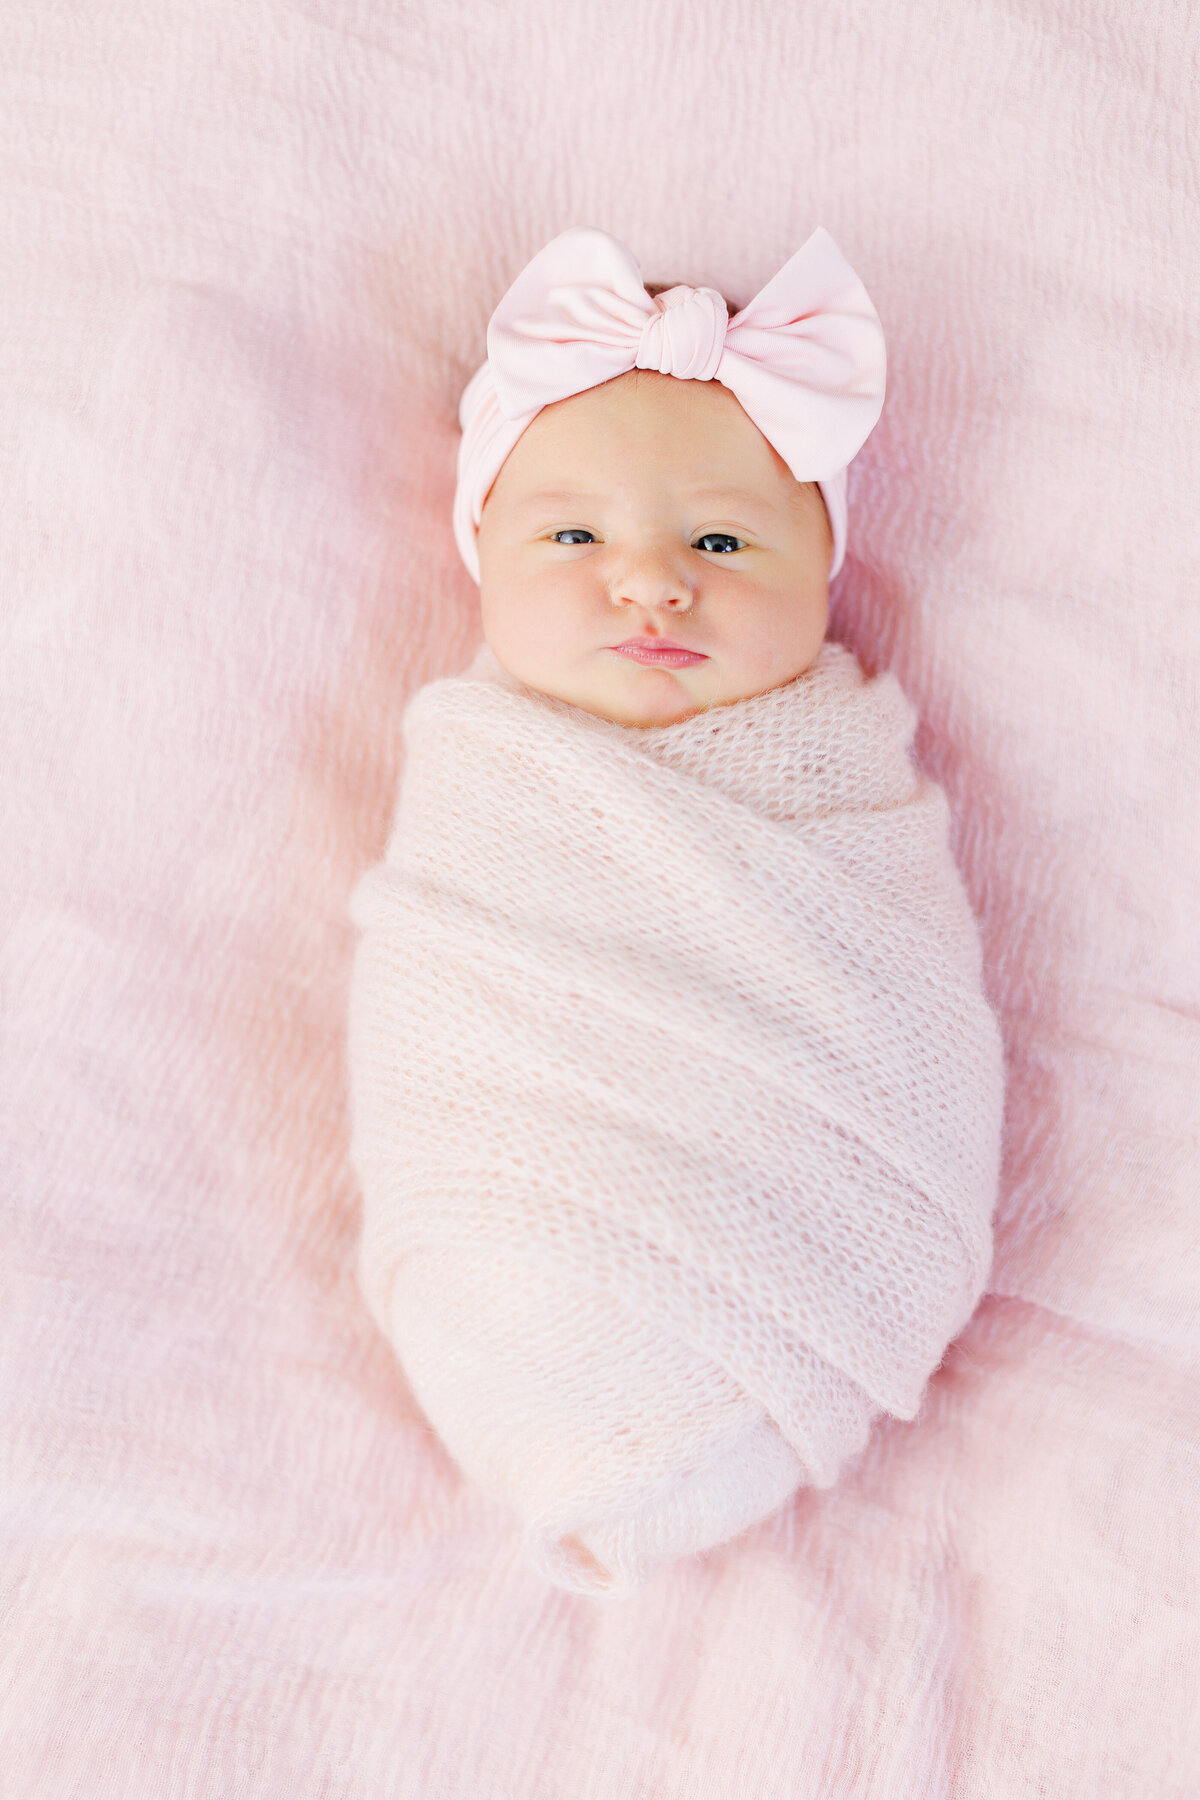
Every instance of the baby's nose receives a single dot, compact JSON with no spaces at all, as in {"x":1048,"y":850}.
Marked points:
{"x":652,"y":581}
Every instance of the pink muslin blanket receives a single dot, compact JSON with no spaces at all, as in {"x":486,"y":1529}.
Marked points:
{"x":677,"y":1101}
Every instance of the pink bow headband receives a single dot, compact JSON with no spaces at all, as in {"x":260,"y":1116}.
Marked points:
{"x":805,"y":358}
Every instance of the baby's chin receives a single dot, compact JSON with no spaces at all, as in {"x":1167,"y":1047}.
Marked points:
{"x":643,"y":697}
{"x":657,"y":704}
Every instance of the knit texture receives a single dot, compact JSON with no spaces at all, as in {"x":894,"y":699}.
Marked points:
{"x":676,"y":1101}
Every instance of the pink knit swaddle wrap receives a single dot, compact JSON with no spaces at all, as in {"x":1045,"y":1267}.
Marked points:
{"x":676,"y":1101}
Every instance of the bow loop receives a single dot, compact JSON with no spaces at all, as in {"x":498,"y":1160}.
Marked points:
{"x":572,"y":319}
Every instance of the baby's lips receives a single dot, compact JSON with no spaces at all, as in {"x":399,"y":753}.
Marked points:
{"x":652,"y":643}
{"x":672,"y":656}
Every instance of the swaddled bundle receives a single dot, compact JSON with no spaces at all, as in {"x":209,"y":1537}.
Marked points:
{"x":676,"y":1101}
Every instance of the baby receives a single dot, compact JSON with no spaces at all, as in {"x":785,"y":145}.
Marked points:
{"x":676,"y":1095}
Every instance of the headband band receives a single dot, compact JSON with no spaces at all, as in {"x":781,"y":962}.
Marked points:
{"x":805,"y":358}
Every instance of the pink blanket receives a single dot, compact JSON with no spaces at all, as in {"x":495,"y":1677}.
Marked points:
{"x":249,"y":255}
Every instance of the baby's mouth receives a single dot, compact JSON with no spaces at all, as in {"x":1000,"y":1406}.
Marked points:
{"x":659,"y":650}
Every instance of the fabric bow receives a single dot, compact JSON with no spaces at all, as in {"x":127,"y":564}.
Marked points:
{"x":805,"y":357}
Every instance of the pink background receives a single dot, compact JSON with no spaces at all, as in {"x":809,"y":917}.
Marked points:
{"x":249,"y":252}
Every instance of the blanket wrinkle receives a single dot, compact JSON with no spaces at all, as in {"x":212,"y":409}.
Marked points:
{"x":682,"y":1031}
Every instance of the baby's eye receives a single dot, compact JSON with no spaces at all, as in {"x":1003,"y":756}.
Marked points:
{"x":726,"y":543}
{"x":570,"y":533}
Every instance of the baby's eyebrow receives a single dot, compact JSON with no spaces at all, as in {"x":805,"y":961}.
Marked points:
{"x":545,"y":495}
{"x":706,"y":490}
{"x":715,"y":490}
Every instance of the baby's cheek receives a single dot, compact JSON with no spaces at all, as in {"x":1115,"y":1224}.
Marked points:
{"x":777,"y":643}
{"x":529,"y":633}
{"x":807,"y":620}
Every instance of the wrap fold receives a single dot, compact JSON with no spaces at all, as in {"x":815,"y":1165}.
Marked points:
{"x":676,"y":1099}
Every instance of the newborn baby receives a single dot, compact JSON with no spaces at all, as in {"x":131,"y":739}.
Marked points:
{"x":676,"y":1094}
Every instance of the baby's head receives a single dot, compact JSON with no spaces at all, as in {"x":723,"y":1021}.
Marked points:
{"x":652,"y":511}
{"x":639,"y":471}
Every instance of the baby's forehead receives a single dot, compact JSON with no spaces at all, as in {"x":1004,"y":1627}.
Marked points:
{"x":649,"y":387}
{"x":697,"y":425}
{"x":565,"y":491}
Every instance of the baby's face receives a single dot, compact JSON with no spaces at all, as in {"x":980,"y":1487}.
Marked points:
{"x":652,"y":509}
